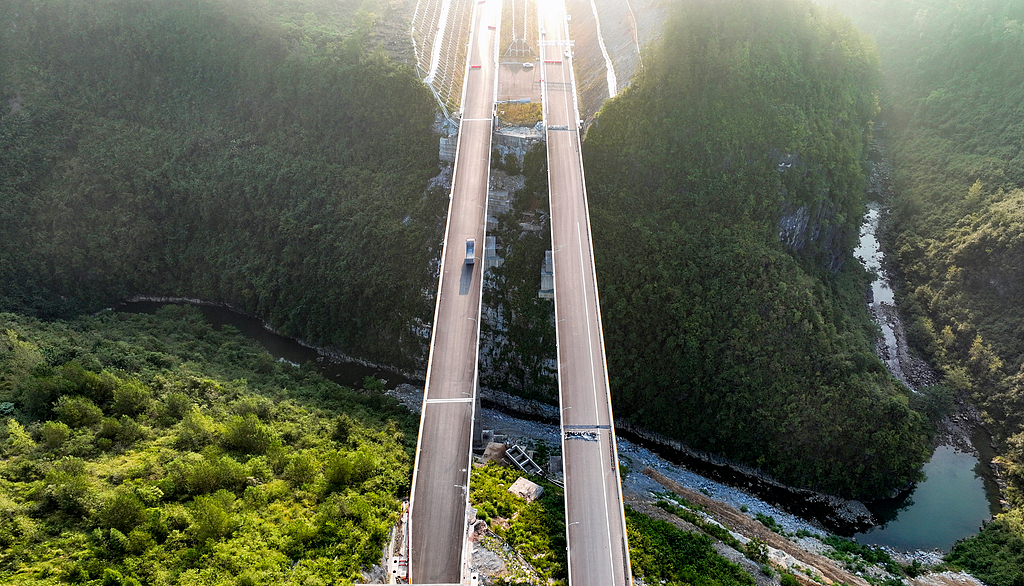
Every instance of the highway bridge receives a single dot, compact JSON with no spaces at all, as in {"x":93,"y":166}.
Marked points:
{"x":440,"y":484}
{"x":598,"y":553}
{"x":594,"y":519}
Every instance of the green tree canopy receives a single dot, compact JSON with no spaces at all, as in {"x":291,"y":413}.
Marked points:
{"x":727,"y":190}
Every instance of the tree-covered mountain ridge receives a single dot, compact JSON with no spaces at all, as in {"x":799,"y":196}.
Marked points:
{"x":727,"y":191}
{"x":255,"y":153}
{"x":262,"y":156}
{"x":954,"y":96}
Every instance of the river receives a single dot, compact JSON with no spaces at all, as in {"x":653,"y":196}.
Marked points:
{"x":349,"y":374}
{"x":883,"y":301}
{"x":949,"y":505}
{"x":959,"y":492}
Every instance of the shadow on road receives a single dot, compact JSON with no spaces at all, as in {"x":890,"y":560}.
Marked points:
{"x":465,"y":279}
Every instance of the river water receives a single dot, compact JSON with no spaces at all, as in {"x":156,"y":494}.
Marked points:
{"x":951,"y":504}
{"x":959,"y":492}
{"x":882,"y":300}
{"x":349,"y":374}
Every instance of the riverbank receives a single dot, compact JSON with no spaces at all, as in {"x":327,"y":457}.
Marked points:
{"x":794,"y":543}
{"x":829,"y":512}
{"x":962,"y":428}
{"x":528,"y":422}
{"x":634,"y":456}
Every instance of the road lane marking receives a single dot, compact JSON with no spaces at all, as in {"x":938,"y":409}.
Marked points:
{"x":567,"y":108}
{"x":445,"y":284}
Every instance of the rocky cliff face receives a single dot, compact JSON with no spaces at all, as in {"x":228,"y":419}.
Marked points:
{"x":812,"y":229}
{"x":627,"y":29}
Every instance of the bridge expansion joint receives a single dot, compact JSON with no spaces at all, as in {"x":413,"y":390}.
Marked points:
{"x":460,"y":400}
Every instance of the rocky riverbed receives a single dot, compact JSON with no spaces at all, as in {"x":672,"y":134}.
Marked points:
{"x":636,"y":458}
{"x":648,"y":477}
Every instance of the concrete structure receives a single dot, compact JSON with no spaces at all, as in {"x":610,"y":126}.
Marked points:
{"x":438,"y":514}
{"x":438,"y":504}
{"x":491,"y":258}
{"x":520,"y":459}
{"x":594,"y":517}
{"x":526,"y":490}
{"x":547,"y":277}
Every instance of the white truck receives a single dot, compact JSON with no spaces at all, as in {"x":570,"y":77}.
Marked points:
{"x":470,"y":249}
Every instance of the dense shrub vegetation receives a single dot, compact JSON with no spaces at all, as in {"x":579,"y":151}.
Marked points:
{"x":536,"y":530}
{"x":855,"y":555}
{"x":684,"y":512}
{"x":749,"y":122}
{"x":955,"y":106}
{"x":158,"y":450}
{"x":660,"y":553}
{"x":252,"y":152}
{"x":996,"y":555}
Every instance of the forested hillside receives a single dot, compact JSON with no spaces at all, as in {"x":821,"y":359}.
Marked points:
{"x":726,"y":191}
{"x":954,"y":82}
{"x":159,"y":450}
{"x":253,"y":152}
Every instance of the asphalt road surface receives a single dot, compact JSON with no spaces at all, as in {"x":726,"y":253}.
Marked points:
{"x":595,"y":523}
{"x":437,"y":510}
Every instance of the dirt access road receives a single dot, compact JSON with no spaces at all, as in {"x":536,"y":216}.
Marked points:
{"x":749,"y":528}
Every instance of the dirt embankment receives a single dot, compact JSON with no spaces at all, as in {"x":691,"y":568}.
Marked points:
{"x":749,"y":528}
{"x":588,"y":61}
{"x":628,"y":29}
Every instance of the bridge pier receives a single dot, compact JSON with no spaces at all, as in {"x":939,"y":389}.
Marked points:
{"x":480,"y":440}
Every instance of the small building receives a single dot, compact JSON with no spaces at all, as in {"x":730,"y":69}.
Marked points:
{"x":555,"y":466}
